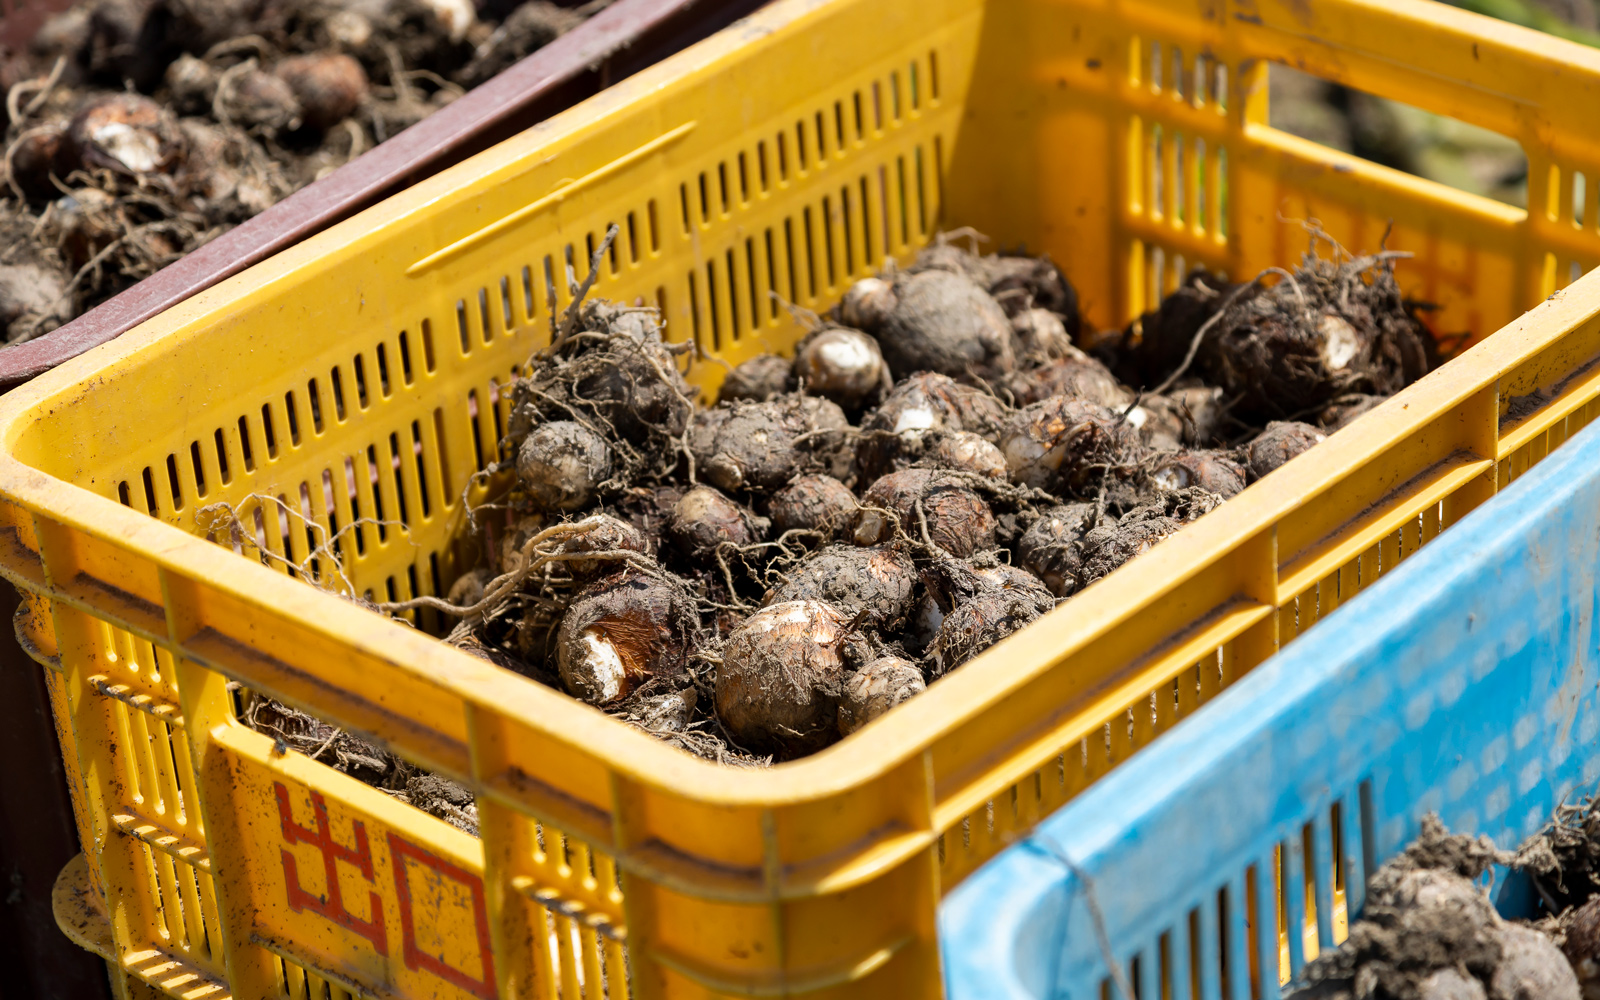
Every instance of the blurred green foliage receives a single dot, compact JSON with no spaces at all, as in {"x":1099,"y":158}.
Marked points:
{"x":1398,"y":135}
{"x":1427,"y":145}
{"x":1575,"y":21}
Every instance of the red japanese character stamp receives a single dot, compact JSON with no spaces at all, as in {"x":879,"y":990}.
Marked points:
{"x":331,"y":904}
{"x":404,"y":857}
{"x":401,"y":852}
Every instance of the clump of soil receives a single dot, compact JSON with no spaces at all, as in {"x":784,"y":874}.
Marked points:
{"x":936,"y":467}
{"x":1429,"y":931}
{"x":137,"y":130}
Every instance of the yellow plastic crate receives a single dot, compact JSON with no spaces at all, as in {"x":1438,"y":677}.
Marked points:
{"x":359,"y":375}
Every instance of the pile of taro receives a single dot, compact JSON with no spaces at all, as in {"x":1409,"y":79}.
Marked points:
{"x":1429,"y":931}
{"x":136,"y":130}
{"x":938,"y":465}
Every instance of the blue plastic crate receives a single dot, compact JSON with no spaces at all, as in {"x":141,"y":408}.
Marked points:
{"x":1465,"y":683}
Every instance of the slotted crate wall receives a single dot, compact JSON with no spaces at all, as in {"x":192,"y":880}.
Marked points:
{"x":346,"y":396}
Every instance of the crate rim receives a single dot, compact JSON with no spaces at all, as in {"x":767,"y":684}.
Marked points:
{"x":887,"y":743}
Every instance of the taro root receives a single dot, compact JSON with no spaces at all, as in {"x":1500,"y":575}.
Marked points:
{"x":1108,"y":545}
{"x":1281,"y":441}
{"x":867,"y":304}
{"x":1581,"y":925}
{"x":1203,"y":410}
{"x":122,"y":41}
{"x":34,"y":299}
{"x":619,"y":632}
{"x":344,"y":751}
{"x":930,"y":401}
{"x":1050,"y":548}
{"x":255,"y":99}
{"x":191,"y":84}
{"x":229,"y":78}
{"x":229,"y":172}
{"x":605,"y":534}
{"x":528,"y":27}
{"x":943,"y":322}
{"x":1064,"y":444}
{"x":468,"y":588}
{"x":347,"y":30}
{"x":875,"y":688}
{"x":897,"y":431}
{"x":562,"y":464}
{"x":432,"y":33}
{"x":1531,"y":967}
{"x":442,"y":798}
{"x":1190,"y":416}
{"x":782,"y":671}
{"x":474,"y":646}
{"x":134,"y":40}
{"x":1074,"y":373}
{"x":1019,"y":282}
{"x":604,"y":415}
{"x":762,"y":446}
{"x":812,"y":503}
{"x":870,"y":586}
{"x":763,"y":377}
{"x":514,"y":537}
{"x":1431,"y":887}
{"x":953,"y":582}
{"x":1337,"y":327}
{"x":954,"y":517}
{"x":1345,"y":409}
{"x":125,"y":133}
{"x":1429,"y":932}
{"x":650,"y":508}
{"x":1013,"y":579}
{"x":456,"y":17}
{"x":1041,"y":337}
{"x":1160,"y":425}
{"x":36,"y":156}
{"x":1216,"y":472}
{"x":1450,"y":984}
{"x":667,"y":712}
{"x":65,"y":34}
{"x":976,"y":624}
{"x":705,"y":520}
{"x":86,"y":222}
{"x":842,"y":364}
{"x":964,"y":451}
{"x":1154,"y":345}
{"x":633,"y":380}
{"x":328,"y":85}
{"x":942,"y":255}
{"x":926,"y":617}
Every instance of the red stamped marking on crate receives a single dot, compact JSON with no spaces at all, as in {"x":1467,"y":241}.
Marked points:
{"x":403,"y":851}
{"x":422,"y":881}
{"x":330,"y":905}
